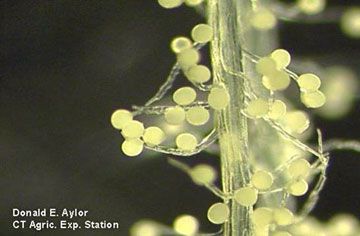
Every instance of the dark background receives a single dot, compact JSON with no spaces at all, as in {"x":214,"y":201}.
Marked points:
{"x":66,"y":65}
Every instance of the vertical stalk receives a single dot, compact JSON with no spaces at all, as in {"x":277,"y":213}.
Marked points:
{"x":228,"y":19}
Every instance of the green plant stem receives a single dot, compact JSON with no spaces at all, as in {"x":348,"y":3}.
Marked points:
{"x":228,"y":19}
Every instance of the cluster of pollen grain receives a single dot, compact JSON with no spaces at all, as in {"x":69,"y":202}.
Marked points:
{"x":264,"y":217}
{"x":218,"y":213}
{"x":202,"y":33}
{"x":175,"y":115}
{"x":186,"y":225}
{"x":188,"y":57}
{"x":203,"y":174}
{"x":263,"y":19}
{"x":311,"y":7}
{"x":262,"y":180}
{"x":350,"y":22}
{"x":295,"y":121}
{"x":135,"y":133}
{"x":197,"y":115}
{"x":218,"y":98}
{"x":260,"y":108}
{"x":184,"y":96}
{"x":272,"y":68}
{"x":311,"y":96}
{"x":186,"y":142}
{"x":246,"y":196}
{"x":298,"y":169}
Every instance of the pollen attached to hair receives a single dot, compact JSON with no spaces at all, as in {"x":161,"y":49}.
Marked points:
{"x":277,"y":80}
{"x":120,"y":117}
{"x":309,"y":82}
{"x":246,"y":196}
{"x":133,"y":129}
{"x":132,"y":147}
{"x":296,"y":121}
{"x":170,"y":3}
{"x":197,"y":115}
{"x":297,"y":187}
{"x":313,"y":99}
{"x":188,"y":57}
{"x":203,"y":174}
{"x":180,"y":43}
{"x":257,"y":108}
{"x":283,"y":216}
{"x":218,"y":213}
{"x":186,"y":142}
{"x":262,"y":216}
{"x":184,"y":96}
{"x":266,"y":66}
{"x":277,"y":110}
{"x":198,"y":74}
{"x":175,"y":115}
{"x":262,"y":180}
{"x":202,"y":33}
{"x":186,"y":225}
{"x":218,"y":98}
{"x":153,"y":136}
{"x":299,"y":168}
{"x":281,"y":57}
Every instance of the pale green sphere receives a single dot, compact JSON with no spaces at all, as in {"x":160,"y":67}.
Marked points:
{"x":120,"y":117}
{"x":202,"y":33}
{"x":246,"y":196}
{"x":153,"y":136}
{"x":198,"y":74}
{"x":133,"y":129}
{"x":188,"y":57}
{"x":197,"y":115}
{"x":218,"y":213}
{"x":257,"y":108}
{"x":218,"y":98}
{"x":175,"y":115}
{"x":170,"y":3}
{"x":184,"y":96}
{"x":132,"y":147}
{"x":186,"y":142}
{"x":180,"y":43}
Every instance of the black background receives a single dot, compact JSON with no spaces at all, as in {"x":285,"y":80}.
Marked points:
{"x":66,"y":65}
